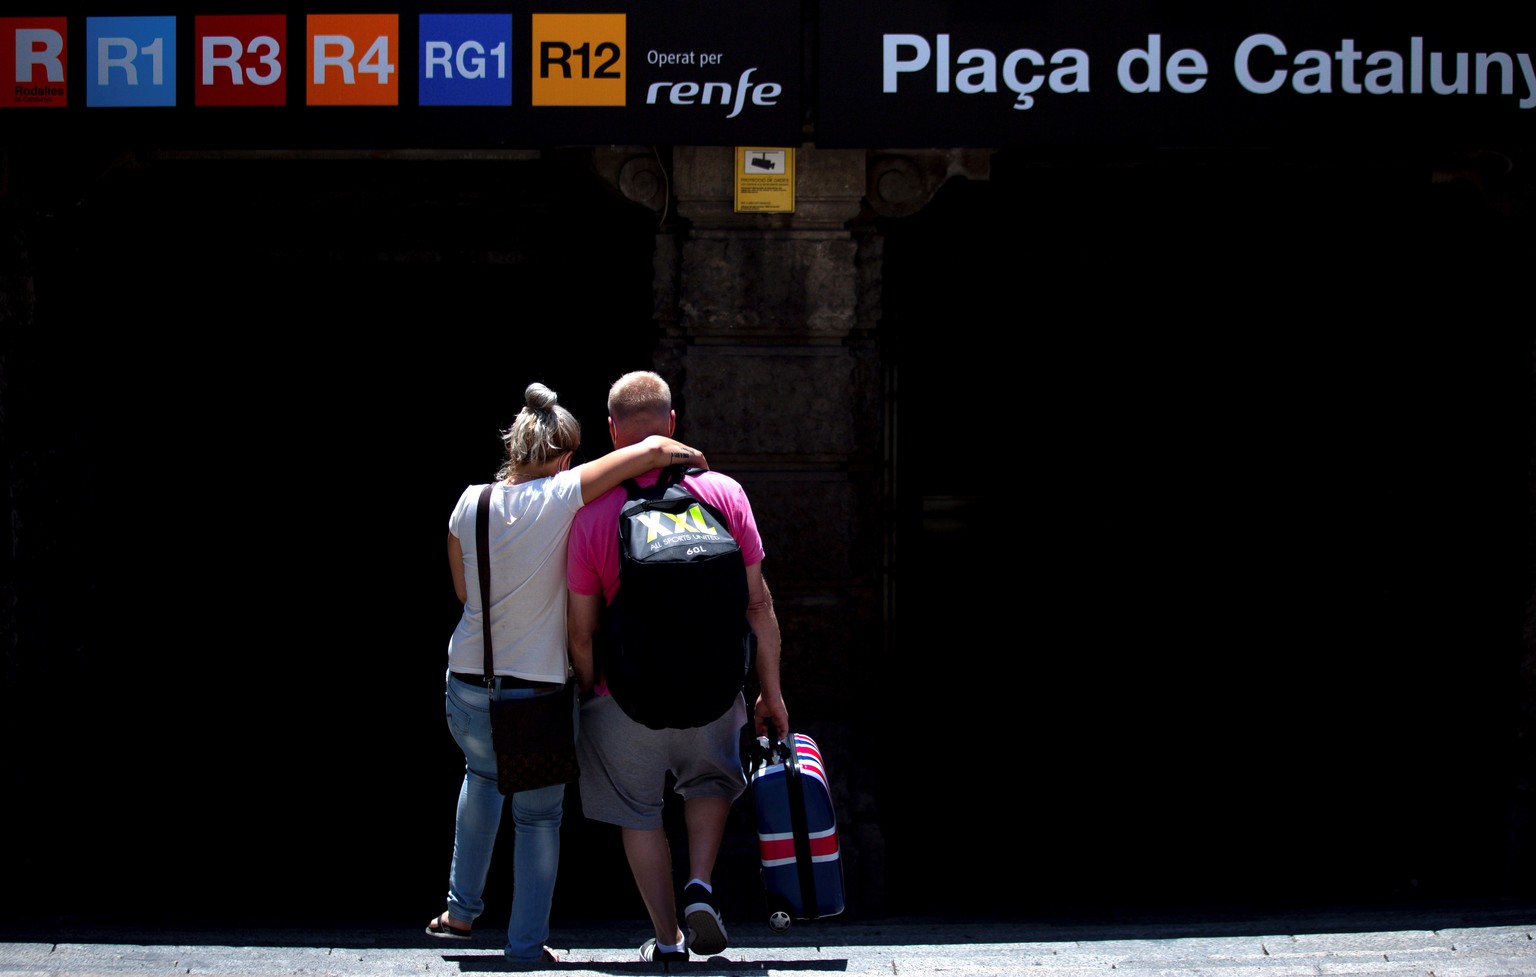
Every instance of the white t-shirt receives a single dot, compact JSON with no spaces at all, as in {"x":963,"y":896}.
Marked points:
{"x":527,"y":536}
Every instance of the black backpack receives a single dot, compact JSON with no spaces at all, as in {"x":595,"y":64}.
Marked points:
{"x":678,"y":643}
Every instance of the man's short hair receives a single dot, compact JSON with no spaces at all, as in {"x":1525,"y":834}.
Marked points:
{"x":640,"y":397}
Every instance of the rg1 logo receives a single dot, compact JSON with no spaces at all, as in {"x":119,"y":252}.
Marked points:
{"x":240,"y":60}
{"x":33,"y":69}
{"x":464,"y":59}
{"x":351,"y":59}
{"x":578,"y":59}
{"x":130,"y":61}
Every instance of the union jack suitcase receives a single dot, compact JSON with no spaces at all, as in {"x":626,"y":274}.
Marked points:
{"x":796,"y":832}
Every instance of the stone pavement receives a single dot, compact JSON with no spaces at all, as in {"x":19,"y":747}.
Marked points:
{"x":1437,"y":944}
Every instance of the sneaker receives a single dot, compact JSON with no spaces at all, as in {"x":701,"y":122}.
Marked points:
{"x":706,"y":930}
{"x":649,"y":954}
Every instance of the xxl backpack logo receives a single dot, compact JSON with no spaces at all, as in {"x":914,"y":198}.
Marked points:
{"x":679,"y":647}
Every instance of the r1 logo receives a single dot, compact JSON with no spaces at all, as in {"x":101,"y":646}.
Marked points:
{"x":350,"y":59}
{"x":130,"y":61}
{"x":33,"y":68}
{"x":240,"y":60}
{"x":578,"y":59}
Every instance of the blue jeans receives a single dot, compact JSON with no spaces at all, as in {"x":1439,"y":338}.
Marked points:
{"x":536,"y":854}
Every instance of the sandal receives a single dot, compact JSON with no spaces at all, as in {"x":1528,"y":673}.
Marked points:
{"x":547,"y":956}
{"x":442,"y":929}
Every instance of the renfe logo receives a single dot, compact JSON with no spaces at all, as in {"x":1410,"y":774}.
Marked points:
{"x":130,"y":61}
{"x":33,"y":69}
{"x":240,"y":60}
{"x":578,"y":59}
{"x":351,"y":59}
{"x":711,"y":92}
{"x":464,"y":59}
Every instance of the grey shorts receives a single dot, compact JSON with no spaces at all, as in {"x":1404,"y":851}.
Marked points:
{"x":624,"y":764}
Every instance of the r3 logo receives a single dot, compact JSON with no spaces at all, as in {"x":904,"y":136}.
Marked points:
{"x":578,"y":59}
{"x":240,"y":60}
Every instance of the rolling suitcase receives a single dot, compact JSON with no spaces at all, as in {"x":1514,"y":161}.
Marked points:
{"x":796,"y":832}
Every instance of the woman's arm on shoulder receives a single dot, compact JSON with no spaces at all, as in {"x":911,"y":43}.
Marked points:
{"x":656,"y":451}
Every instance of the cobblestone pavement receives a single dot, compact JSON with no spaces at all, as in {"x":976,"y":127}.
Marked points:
{"x":1434,"y":945}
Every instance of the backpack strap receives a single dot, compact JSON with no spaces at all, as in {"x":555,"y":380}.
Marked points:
{"x":483,"y":564}
{"x":670,"y":476}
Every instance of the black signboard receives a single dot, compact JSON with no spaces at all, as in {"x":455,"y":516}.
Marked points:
{"x":350,"y":74}
{"x":1176,"y":72}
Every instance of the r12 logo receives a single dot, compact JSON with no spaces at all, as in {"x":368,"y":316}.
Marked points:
{"x":578,"y":59}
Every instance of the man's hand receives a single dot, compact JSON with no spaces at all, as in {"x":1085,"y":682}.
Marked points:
{"x":771,"y":712}
{"x":581,"y":615}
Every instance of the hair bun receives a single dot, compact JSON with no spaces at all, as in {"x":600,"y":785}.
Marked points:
{"x":540,"y":397}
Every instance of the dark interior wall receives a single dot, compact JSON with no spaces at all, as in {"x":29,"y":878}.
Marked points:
{"x":1214,"y":530}
{"x":251,"y":395}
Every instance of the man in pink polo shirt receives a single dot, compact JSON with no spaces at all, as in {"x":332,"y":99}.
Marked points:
{"x":624,"y":763}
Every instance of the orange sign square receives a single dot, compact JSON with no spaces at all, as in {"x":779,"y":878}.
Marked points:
{"x":350,"y":59}
{"x":578,"y":59}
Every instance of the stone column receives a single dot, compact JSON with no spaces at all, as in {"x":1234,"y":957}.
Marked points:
{"x":768,"y":336}
{"x":767,"y":327}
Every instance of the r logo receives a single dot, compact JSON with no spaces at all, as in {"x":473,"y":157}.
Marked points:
{"x":33,"y":67}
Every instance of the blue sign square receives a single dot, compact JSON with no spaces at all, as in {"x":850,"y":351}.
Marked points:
{"x":130,"y":61}
{"x":466,"y":59}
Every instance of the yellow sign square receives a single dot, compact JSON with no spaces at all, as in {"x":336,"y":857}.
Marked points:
{"x":765,"y":180}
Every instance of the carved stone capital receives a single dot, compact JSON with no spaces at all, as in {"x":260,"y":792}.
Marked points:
{"x":828,"y":189}
{"x":635,"y":172}
{"x":902,"y":181}
{"x":896,"y":183}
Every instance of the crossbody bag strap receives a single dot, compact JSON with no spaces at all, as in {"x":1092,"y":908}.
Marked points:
{"x":483,"y":563}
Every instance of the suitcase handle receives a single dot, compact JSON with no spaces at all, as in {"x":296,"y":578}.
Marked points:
{"x":764,"y":753}
{"x":771,"y":752}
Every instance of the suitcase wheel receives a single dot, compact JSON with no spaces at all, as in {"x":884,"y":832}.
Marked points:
{"x":779,"y":916}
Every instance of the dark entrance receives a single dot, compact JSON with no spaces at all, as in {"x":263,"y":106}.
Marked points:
{"x":252,"y":393}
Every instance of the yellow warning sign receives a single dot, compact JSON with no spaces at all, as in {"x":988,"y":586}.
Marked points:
{"x":765,"y":180}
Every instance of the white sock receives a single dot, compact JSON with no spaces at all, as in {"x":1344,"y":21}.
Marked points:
{"x":702,"y":884}
{"x":669,"y":947}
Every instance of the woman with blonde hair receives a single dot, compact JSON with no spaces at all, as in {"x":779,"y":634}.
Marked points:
{"x":535,"y":497}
